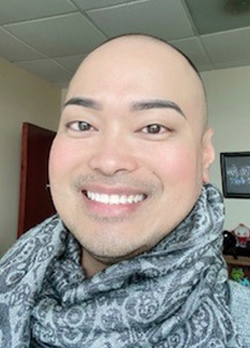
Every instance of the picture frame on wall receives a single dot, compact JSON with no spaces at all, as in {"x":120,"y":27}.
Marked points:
{"x":235,"y":174}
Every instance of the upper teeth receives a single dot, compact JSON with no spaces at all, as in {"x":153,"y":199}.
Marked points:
{"x":114,"y":199}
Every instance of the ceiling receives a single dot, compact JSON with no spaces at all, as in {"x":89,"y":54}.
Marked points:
{"x":49,"y":38}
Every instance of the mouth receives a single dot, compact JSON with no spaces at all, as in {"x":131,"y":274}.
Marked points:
{"x":115,"y":199}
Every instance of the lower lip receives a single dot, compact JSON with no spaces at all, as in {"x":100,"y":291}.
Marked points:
{"x":111,"y":210}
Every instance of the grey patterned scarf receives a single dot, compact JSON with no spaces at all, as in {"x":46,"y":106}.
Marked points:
{"x":175,"y":295}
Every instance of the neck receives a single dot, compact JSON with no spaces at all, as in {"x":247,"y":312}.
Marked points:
{"x":90,"y":265}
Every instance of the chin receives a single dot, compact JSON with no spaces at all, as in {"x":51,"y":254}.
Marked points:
{"x":109,"y":257}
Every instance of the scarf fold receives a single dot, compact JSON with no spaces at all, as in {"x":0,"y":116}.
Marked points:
{"x":175,"y":295}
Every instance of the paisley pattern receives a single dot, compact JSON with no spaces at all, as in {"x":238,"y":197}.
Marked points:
{"x":175,"y":295}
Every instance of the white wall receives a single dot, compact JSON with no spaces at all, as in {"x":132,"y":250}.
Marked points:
{"x":63,"y":96}
{"x":23,"y":98}
{"x":228,"y":94}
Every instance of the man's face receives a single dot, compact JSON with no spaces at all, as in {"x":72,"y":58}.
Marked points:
{"x":129,"y":158}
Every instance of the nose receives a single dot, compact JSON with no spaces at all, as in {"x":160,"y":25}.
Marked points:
{"x":112,"y":155}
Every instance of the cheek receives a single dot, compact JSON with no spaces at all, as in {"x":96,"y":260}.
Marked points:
{"x":177,"y":163}
{"x":63,"y":159}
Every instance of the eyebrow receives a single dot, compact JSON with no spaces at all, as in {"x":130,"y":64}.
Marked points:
{"x":157,"y":104}
{"x":85,"y":102}
{"x":136,"y":106}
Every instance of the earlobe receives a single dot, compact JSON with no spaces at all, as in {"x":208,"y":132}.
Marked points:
{"x":208,"y":154}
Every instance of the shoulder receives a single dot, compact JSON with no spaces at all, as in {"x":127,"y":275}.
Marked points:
{"x":240,"y":308}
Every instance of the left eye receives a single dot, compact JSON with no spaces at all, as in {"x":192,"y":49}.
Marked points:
{"x":80,"y":126}
{"x":153,"y":129}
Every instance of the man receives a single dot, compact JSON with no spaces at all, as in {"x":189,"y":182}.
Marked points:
{"x":135,"y":258}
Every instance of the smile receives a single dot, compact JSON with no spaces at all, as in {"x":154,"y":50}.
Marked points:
{"x":115,"y":199}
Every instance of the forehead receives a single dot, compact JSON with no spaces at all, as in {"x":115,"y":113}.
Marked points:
{"x":129,"y":68}
{"x":132,"y":57}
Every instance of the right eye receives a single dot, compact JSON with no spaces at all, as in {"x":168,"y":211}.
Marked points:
{"x":79,"y":126}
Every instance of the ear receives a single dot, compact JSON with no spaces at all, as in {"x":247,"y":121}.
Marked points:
{"x":208,"y":154}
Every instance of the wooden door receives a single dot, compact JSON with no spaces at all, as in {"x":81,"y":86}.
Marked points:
{"x":35,"y":203}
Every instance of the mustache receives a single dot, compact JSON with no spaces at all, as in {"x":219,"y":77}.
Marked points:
{"x":122,"y":179}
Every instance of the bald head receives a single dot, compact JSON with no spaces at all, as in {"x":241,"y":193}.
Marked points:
{"x":157,"y":40}
{"x":126,"y":55}
{"x":131,"y":146}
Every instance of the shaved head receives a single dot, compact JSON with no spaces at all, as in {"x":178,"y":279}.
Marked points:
{"x":131,"y":40}
{"x":132,"y":145}
{"x":158,"y":40}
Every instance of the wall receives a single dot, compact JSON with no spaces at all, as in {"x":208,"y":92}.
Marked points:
{"x":23,"y":98}
{"x":228,"y":94}
{"x":63,"y":95}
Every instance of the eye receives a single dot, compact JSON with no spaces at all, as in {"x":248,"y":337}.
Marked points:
{"x":79,"y":126}
{"x":154,"y":129}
